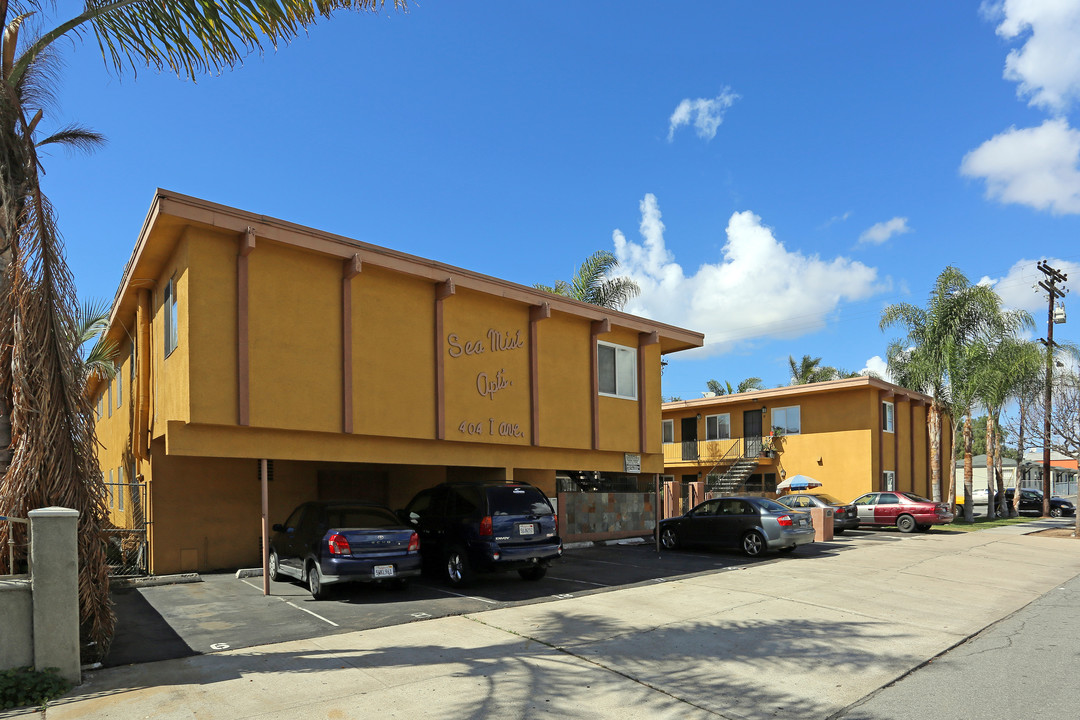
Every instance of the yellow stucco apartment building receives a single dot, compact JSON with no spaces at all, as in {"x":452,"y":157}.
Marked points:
{"x":261,"y":359}
{"x":854,"y":436}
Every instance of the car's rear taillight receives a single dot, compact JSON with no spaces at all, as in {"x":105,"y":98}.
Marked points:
{"x":485,"y":526}
{"x":784,"y":520}
{"x":556,"y":516}
{"x":338,"y":545}
{"x":414,"y":543}
{"x":839,"y":512}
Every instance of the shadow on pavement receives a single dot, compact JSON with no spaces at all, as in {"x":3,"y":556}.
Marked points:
{"x":142,"y":634}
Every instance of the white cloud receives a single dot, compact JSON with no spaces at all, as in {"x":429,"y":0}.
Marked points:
{"x":1047,"y":65}
{"x":1033,"y":166}
{"x":1018,"y":288}
{"x":882,"y":231}
{"x":879,"y":367}
{"x":757,"y":289}
{"x":706,"y":114}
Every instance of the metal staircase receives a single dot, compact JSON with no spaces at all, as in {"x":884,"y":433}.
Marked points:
{"x":732,"y":479}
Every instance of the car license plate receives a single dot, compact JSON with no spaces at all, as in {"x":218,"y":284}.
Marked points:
{"x":527,"y":529}
{"x":384,"y":571}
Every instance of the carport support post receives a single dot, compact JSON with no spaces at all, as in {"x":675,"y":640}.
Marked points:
{"x":656,"y":511}
{"x":265,"y":525}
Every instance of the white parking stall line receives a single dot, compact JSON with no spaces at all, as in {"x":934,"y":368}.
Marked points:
{"x":314,"y":614}
{"x":583,"y":582}
{"x":311,"y":613}
{"x":470,"y":597}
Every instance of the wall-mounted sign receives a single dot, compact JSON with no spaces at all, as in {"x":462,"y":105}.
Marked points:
{"x":631,"y":463}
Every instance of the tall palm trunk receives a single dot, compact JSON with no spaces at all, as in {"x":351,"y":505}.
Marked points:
{"x":991,"y":468}
{"x":933,"y":428}
{"x":969,"y":473}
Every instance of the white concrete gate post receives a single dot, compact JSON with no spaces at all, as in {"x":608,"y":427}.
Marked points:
{"x":54,"y":568}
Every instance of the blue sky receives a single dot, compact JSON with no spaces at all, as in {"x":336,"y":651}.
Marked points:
{"x":772,"y":174}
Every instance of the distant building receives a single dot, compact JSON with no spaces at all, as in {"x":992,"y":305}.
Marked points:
{"x":854,"y":436}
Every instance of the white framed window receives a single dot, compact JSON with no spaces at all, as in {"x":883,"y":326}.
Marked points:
{"x":100,"y":403}
{"x":667,"y":478}
{"x":112,"y":489}
{"x":617,"y":368}
{"x":120,"y":488}
{"x":787,"y":419}
{"x":888,"y":480}
{"x":718,"y":427}
{"x":108,"y":403}
{"x":668,"y":431}
{"x":168,"y":305}
{"x":119,"y":388}
{"x":888,"y":411}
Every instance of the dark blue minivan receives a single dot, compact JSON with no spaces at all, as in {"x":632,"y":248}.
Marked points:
{"x":468,"y":527}
{"x":327,"y":543}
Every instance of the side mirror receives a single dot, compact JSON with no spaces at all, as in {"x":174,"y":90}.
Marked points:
{"x":278,"y":527}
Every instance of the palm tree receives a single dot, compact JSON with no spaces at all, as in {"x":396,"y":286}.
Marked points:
{"x":46,"y":422}
{"x":98,"y":362}
{"x":750,"y":383}
{"x":930,"y":358}
{"x":810,"y":370}
{"x":593,"y":283}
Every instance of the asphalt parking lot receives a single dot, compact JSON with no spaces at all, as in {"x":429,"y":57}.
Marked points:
{"x":223,"y":612}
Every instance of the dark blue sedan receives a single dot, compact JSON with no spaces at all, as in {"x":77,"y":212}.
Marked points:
{"x":327,"y":543}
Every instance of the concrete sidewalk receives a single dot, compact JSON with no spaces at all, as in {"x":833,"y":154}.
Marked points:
{"x":800,"y":637}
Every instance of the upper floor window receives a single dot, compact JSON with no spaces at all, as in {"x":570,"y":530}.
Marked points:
{"x":888,"y":481}
{"x":168,"y":305}
{"x":119,"y":387}
{"x":787,"y":419}
{"x":718,"y":427}
{"x":108,"y":403}
{"x":887,"y":416}
{"x":617,"y":366}
{"x":668,"y":431}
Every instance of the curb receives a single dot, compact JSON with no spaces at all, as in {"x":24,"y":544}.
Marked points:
{"x":602,"y":543}
{"x":155,"y":580}
{"x":248,"y":572}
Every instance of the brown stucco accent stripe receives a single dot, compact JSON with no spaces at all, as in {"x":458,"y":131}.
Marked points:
{"x":264,"y":488}
{"x":351,"y":270}
{"x":243,"y":377}
{"x":536,"y":314}
{"x":443,"y":290}
{"x":644,"y":340}
{"x":598,"y":327}
{"x":142,"y":354}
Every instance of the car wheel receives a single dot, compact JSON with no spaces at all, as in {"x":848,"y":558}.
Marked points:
{"x":273,"y":568}
{"x":905,"y":524}
{"x":1055,"y":512}
{"x":753,"y":544}
{"x":458,"y":571}
{"x":532,"y":573}
{"x":669,"y":538}
{"x":314,"y":582}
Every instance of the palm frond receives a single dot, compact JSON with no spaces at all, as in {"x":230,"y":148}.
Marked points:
{"x":76,"y":137}
{"x":192,"y":38}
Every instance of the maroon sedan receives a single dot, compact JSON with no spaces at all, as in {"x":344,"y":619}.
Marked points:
{"x":907,"y":511}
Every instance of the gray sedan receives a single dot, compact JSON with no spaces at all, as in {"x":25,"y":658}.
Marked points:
{"x":845,"y":515}
{"x":752,"y":524}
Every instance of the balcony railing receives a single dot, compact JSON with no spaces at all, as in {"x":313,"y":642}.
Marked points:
{"x":700,"y":451}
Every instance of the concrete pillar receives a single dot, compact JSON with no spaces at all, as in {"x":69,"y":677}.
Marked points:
{"x":54,"y":567}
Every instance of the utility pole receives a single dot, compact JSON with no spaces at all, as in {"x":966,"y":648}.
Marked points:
{"x":1053,"y":277}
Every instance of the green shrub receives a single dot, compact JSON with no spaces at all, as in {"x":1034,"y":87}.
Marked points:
{"x":25,"y":687}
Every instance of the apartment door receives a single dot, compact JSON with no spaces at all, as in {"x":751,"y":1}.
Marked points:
{"x":689,"y":438}
{"x":752,"y":433}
